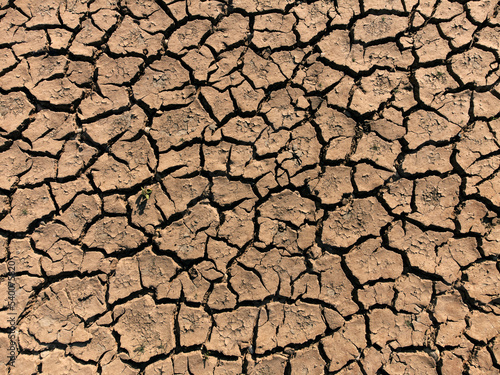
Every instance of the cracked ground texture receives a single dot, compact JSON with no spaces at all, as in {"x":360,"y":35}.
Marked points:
{"x":250,"y":186}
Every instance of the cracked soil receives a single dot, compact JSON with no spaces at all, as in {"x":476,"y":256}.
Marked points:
{"x":249,"y":187}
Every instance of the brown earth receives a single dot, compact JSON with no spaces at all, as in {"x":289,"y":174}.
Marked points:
{"x":250,"y":187}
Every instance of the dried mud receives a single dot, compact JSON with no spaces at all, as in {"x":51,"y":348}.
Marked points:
{"x":250,"y":187}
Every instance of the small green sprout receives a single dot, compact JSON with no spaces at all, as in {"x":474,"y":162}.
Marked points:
{"x":24,"y":212}
{"x":146,"y":193}
{"x":206,"y":355}
{"x":139,"y":349}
